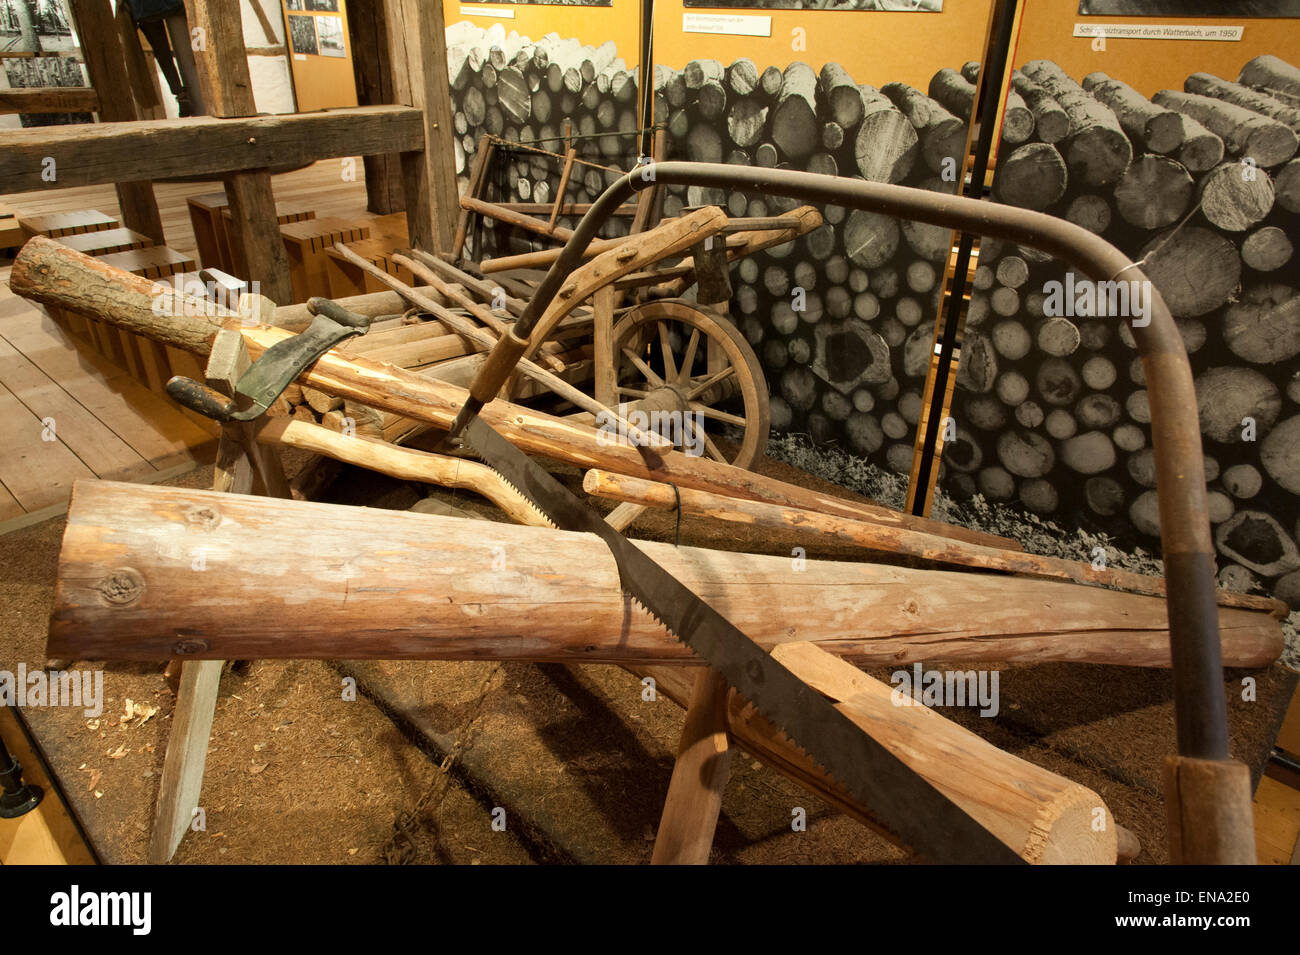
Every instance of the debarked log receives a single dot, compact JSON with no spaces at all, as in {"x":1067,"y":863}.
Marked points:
{"x":150,"y":572}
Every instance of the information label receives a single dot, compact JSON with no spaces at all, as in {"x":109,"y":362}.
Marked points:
{"x":505,"y":13}
{"x":734,"y":24}
{"x":1159,"y":31}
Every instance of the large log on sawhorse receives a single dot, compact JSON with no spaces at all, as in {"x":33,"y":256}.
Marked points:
{"x":101,"y":48}
{"x":417,"y":48}
{"x":243,"y":467}
{"x":227,"y":91}
{"x":367,"y":584}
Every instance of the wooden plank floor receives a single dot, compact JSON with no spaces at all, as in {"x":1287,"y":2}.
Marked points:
{"x":66,"y":413}
{"x":1277,"y":805}
{"x":106,"y":424}
{"x":320,"y":186}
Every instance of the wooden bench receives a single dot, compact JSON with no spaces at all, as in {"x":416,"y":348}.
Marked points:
{"x":387,"y":234}
{"x":234,"y":253}
{"x":155,"y":262}
{"x":108,"y":240}
{"x":210,"y":220}
{"x":307,"y":243}
{"x":11,"y":233}
{"x":57,"y":224}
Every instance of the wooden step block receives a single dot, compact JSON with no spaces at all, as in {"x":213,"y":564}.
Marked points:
{"x":11,"y":233}
{"x":209,"y":218}
{"x":57,"y":224}
{"x":306,"y":244}
{"x":155,"y":262}
{"x":346,"y":278}
{"x":109,"y":240}
{"x":230,"y":247}
{"x":205,"y":221}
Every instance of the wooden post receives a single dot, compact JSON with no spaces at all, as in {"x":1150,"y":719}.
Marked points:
{"x":1208,"y":805}
{"x":374,"y":78}
{"x":227,"y":91}
{"x":417,"y":46}
{"x":101,"y":47}
{"x":699,"y":777}
{"x":603,"y":304}
{"x":243,"y":467}
{"x":144,"y":82}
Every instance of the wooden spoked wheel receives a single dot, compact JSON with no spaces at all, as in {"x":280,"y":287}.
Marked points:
{"x":670,"y":356}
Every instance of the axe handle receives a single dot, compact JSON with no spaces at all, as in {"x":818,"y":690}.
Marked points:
{"x":1210,"y":815}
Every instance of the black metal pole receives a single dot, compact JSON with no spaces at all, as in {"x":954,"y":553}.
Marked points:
{"x":991,"y":73}
{"x":18,"y":798}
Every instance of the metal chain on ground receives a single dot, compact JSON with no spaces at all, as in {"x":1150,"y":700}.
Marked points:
{"x":403,"y":846}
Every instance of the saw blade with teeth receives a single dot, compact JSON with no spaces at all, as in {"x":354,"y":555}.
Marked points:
{"x":912,"y":808}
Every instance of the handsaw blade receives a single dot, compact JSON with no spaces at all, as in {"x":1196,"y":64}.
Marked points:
{"x":908,"y":805}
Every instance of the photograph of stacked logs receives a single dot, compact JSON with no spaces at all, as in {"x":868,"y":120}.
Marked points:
{"x":1203,"y":185}
{"x":843,"y":318}
{"x":506,"y":85}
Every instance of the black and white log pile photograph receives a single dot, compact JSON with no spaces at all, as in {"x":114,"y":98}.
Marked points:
{"x":536,"y":98}
{"x":1202,"y":186}
{"x":615,"y":432}
{"x":842,"y":318}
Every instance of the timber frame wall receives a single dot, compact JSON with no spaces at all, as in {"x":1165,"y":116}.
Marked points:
{"x":239,"y":147}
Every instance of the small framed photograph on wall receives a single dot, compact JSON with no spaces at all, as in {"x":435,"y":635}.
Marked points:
{"x":302,"y":34}
{"x":329,"y":33}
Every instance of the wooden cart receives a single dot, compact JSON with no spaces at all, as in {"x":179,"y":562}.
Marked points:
{"x":643,"y":328}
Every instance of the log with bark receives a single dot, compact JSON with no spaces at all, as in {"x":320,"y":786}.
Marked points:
{"x":1154,"y":192}
{"x":1205,"y":84}
{"x":1150,"y":126}
{"x":1051,"y":124}
{"x":1273,"y":74}
{"x":54,"y":274}
{"x":1032,"y":177}
{"x":1236,"y":196}
{"x":942,"y":135}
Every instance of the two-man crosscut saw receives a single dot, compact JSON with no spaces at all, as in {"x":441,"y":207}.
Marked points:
{"x":905,"y":803}
{"x":870,"y":773}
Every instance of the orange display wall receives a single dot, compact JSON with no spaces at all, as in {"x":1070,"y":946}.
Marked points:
{"x":320,"y":54}
{"x":843,"y":319}
{"x":1176,"y":140}
{"x":874,"y":46}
